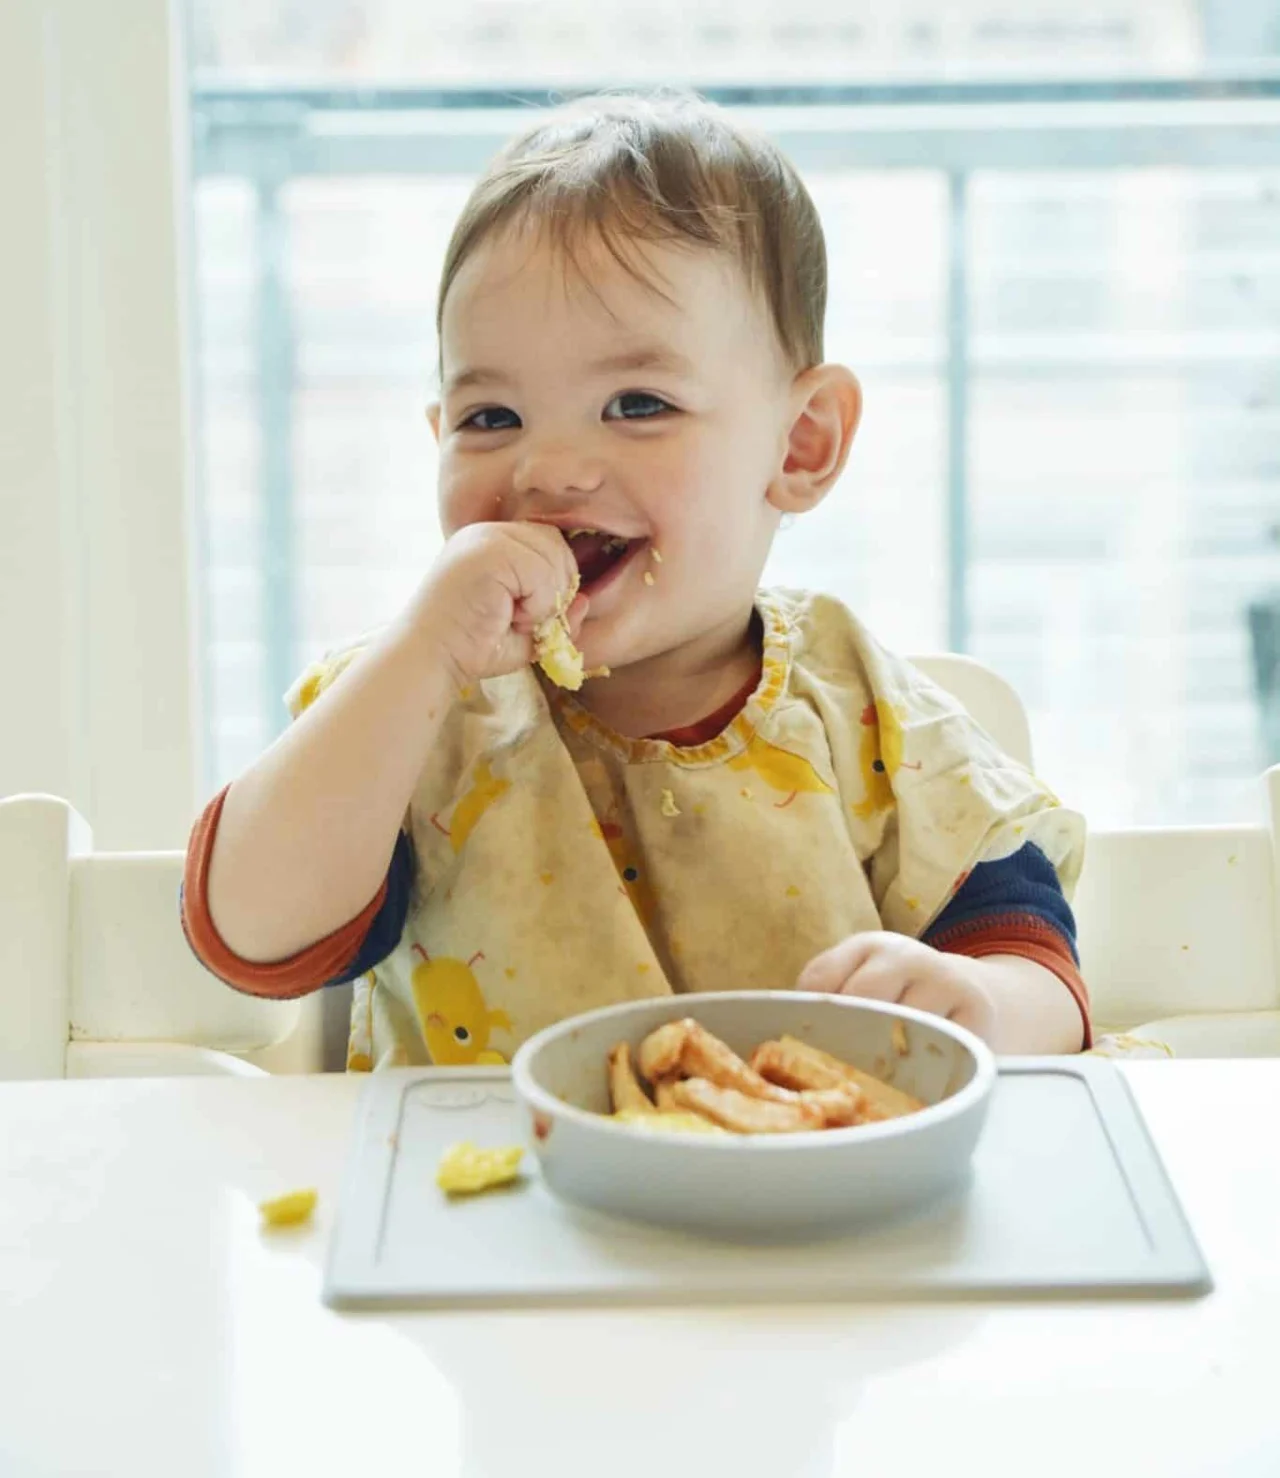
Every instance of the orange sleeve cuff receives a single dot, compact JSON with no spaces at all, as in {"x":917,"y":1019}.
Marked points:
{"x":1030,"y":938}
{"x":283,"y":980}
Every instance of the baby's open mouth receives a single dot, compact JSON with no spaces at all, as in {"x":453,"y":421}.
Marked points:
{"x":597,"y":553}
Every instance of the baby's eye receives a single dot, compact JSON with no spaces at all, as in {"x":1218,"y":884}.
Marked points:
{"x":635,"y":405}
{"x":490,"y":418}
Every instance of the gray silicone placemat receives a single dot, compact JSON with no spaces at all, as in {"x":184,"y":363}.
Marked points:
{"x":1068,"y":1199}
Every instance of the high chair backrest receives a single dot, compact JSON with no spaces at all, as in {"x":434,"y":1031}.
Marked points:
{"x":94,"y":968}
{"x":987,"y":697}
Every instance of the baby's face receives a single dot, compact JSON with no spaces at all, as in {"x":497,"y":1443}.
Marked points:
{"x":657,"y":423}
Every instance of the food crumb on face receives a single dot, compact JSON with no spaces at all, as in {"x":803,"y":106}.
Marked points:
{"x":669,"y":807}
{"x":598,"y":672}
{"x":648,"y":577}
{"x":657,"y":555}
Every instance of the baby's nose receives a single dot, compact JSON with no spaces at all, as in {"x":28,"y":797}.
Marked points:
{"x":558,"y":469}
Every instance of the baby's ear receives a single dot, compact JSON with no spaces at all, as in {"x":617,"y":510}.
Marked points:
{"x":433,"y":415}
{"x":826,"y":406}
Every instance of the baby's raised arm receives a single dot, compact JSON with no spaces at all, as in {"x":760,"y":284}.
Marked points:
{"x":307,"y":832}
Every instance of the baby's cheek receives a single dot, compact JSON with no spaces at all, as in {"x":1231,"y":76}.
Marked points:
{"x":465,"y":500}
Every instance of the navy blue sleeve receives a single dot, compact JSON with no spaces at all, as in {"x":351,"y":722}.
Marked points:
{"x":388,"y":923}
{"x":1025,"y":883}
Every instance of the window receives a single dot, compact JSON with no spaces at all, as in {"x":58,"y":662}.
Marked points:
{"x":1062,"y":294}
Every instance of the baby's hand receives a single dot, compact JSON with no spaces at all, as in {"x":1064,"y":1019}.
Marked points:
{"x":881,"y":966}
{"x":491,"y":586}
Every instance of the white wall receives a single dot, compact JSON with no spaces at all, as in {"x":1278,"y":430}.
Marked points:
{"x":96,"y":673}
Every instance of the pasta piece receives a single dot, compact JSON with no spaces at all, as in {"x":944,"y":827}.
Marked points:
{"x":744,"y":1114}
{"x":625,"y":1092}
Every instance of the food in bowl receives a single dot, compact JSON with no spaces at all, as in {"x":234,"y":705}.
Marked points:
{"x":756,"y":1186}
{"x":787,"y":1087}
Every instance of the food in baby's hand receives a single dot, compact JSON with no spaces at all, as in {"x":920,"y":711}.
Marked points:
{"x":553,"y":647}
{"x":788,"y":1086}
{"x":556,"y":654}
{"x":289,"y":1210}
{"x":466,"y":1169}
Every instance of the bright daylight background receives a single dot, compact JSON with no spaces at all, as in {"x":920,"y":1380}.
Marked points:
{"x":1055,"y":268}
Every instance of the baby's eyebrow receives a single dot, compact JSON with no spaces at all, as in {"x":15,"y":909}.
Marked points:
{"x":643,"y":357}
{"x":464,"y":379}
{"x":648,"y":356}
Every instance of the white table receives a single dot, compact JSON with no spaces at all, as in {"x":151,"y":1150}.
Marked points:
{"x":148,"y":1328}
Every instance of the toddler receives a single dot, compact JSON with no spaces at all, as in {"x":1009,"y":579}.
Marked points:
{"x":747,"y":792}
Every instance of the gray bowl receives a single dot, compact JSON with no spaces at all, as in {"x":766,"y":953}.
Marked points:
{"x":767,"y":1186}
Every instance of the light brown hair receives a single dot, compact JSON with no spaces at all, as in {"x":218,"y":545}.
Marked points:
{"x":660,"y":168}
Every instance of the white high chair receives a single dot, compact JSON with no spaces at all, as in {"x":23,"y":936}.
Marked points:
{"x":986,"y":695}
{"x":96,"y":979}
{"x":1179,"y":930}
{"x":1179,"y":926}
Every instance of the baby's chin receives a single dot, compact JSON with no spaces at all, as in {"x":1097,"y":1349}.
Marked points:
{"x":631,"y":639}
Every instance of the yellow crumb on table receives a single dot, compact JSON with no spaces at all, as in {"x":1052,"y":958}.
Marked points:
{"x":466,"y":1169}
{"x":290,"y":1210}
{"x":746,"y":793}
{"x":669,"y":807}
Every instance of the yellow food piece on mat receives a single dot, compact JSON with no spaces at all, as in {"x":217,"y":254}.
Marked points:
{"x":289,"y":1211}
{"x":670,"y":1122}
{"x":466,"y":1169}
{"x":669,"y":807}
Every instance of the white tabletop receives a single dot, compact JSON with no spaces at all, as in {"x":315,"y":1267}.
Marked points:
{"x":147,"y":1327}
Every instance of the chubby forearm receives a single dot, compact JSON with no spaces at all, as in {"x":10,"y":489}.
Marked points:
{"x":307,"y":832}
{"x":1033,"y":1011}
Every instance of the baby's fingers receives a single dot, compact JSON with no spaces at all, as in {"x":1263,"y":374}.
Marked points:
{"x":882,"y":979}
{"x":829,"y":970}
{"x":525,"y":623}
